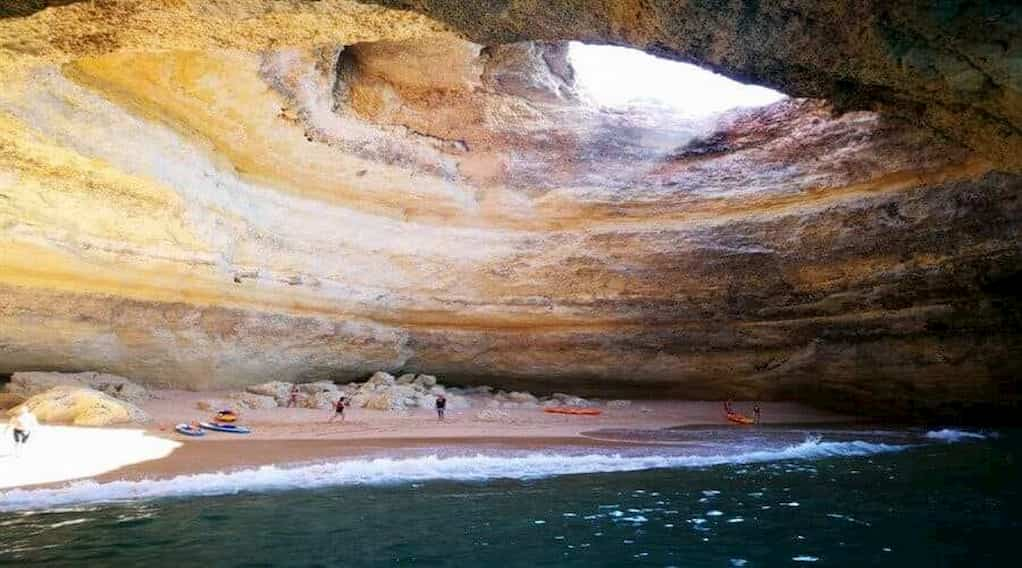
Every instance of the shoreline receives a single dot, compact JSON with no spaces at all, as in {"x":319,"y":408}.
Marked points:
{"x":226,"y":456}
{"x":291,"y":437}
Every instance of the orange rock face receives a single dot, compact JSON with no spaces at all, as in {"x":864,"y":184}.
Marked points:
{"x":345,"y":188}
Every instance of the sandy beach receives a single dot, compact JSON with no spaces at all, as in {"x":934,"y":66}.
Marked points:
{"x":288,"y":436}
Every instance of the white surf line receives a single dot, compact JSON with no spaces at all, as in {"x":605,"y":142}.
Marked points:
{"x":382,"y":471}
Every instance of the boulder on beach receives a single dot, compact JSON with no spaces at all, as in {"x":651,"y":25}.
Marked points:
{"x":396,"y":397}
{"x":81,"y":406}
{"x":317,"y":387}
{"x":279,"y":390}
{"x":320,"y":400}
{"x":406,"y":379}
{"x":380,"y":401}
{"x":10,"y":400}
{"x":425,"y":380}
{"x":380,"y":378}
{"x":29,"y":384}
{"x":522,"y":398}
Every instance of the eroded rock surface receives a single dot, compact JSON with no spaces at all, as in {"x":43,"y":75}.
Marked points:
{"x":81,"y":406}
{"x":954,"y":65}
{"x":210,"y":194}
{"x":29,"y":384}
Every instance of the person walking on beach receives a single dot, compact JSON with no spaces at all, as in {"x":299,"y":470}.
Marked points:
{"x":339,"y":409}
{"x":293,"y":399}
{"x":23,"y":424}
{"x":755,"y":411}
{"x":441,"y":405}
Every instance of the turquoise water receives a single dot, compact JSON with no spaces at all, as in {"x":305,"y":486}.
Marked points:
{"x":831,"y":498}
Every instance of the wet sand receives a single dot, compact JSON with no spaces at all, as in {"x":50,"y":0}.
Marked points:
{"x":290,"y":436}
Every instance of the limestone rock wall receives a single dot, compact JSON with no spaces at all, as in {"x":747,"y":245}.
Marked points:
{"x":954,"y":65}
{"x":316,"y":190}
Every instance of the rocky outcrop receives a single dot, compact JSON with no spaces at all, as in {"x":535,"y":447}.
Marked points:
{"x":10,"y":400}
{"x":323,"y":189}
{"x":81,"y":406}
{"x":280,"y":391}
{"x":33,"y":383}
{"x":953,"y":66}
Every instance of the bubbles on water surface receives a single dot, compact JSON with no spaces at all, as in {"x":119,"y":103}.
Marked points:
{"x":661,"y":518}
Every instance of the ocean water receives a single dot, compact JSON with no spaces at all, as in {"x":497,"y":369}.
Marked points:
{"x":699,"y":497}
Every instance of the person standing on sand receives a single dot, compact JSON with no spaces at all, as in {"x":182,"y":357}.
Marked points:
{"x":441,"y":405}
{"x":755,"y":411}
{"x":293,"y":399}
{"x":23,"y":424}
{"x":339,"y":409}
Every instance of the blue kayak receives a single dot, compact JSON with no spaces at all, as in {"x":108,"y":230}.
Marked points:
{"x":189,"y":431}
{"x":219,"y":427}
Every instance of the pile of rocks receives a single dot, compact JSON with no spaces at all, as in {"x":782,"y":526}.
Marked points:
{"x":322,"y":394}
{"x":381,"y":392}
{"x":385,"y":392}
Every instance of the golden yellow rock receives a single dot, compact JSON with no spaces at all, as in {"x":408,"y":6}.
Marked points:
{"x":81,"y":406}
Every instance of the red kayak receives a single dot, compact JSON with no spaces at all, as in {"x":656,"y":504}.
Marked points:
{"x":573,"y":410}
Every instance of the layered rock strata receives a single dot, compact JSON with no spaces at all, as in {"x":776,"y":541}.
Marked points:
{"x":319,"y":190}
{"x":955,"y":65}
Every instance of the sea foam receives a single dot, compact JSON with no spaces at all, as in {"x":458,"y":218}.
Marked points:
{"x":379,"y":471}
{"x":950,"y":435}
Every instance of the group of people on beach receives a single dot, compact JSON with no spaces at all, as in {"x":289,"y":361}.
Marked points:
{"x":342,"y":403}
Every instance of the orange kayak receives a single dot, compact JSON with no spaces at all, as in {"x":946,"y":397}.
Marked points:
{"x":739,"y":418}
{"x":573,"y":410}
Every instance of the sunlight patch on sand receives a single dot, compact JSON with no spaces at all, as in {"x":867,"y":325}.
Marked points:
{"x":60,"y":453}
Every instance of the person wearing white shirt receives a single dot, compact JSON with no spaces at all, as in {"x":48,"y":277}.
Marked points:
{"x":23,"y":425}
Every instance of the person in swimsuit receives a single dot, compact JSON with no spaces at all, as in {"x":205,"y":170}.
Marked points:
{"x":339,"y":409}
{"x":293,"y":399}
{"x":23,"y":424}
{"x":441,"y":405}
{"x":755,"y":412}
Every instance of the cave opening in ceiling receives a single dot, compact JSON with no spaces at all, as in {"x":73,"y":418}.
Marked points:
{"x":621,"y":77}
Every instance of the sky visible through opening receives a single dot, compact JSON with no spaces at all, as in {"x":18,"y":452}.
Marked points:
{"x":618,"y":77}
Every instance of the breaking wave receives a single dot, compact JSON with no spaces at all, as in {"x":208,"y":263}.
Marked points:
{"x":378,"y":471}
{"x":949,"y":435}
